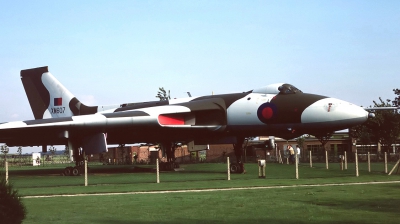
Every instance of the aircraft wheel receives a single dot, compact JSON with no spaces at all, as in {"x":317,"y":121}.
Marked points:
{"x":75,"y":171}
{"x":67,"y":171}
{"x":234,"y":168}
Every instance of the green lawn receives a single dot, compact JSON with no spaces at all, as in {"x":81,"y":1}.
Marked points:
{"x":305,"y":204}
{"x":339,"y":204}
{"x":47,"y":180}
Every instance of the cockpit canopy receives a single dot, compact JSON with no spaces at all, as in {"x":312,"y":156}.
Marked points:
{"x":278,"y":88}
{"x":287,"y":89}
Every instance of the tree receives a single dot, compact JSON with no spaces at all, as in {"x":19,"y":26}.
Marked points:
{"x":384,"y":128}
{"x":19,"y":151}
{"x":300,"y":141}
{"x":396,"y":101}
{"x":66,"y":153}
{"x":52,"y":150}
{"x":11,"y":208}
{"x":4,"y":149}
{"x":162,"y":94}
{"x":362,"y":134}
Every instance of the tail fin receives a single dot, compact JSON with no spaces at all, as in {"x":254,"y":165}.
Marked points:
{"x":49,"y":98}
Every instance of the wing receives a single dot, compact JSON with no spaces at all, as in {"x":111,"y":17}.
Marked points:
{"x":186,"y":121}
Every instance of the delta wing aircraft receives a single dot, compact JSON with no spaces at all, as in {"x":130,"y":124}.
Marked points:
{"x":280,"y":110}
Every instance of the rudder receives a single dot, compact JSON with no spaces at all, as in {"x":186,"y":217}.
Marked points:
{"x":48,"y":98}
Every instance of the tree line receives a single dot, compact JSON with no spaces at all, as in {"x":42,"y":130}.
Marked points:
{"x":384,"y":128}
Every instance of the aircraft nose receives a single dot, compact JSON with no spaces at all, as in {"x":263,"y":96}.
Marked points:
{"x":334,"y":112}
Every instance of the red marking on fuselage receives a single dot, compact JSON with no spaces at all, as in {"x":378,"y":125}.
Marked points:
{"x":171,"y":119}
{"x":267,"y":113}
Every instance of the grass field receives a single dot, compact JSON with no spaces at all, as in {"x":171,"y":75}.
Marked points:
{"x":345,"y":204}
{"x":377,"y":203}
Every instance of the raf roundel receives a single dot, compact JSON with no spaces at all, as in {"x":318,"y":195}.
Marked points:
{"x":266,"y":112}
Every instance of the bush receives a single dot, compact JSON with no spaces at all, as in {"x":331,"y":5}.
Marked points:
{"x":12,"y":210}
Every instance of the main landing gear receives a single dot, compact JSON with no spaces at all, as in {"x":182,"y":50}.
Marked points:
{"x":79,"y":167}
{"x":169,"y":149}
{"x":238,"y":167}
{"x":74,"y":171}
{"x":168,"y":166}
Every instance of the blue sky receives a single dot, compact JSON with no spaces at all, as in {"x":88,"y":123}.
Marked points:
{"x":111,"y":52}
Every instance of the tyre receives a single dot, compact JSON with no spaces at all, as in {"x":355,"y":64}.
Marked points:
{"x":67,"y":171}
{"x":75,"y":171}
{"x":234,"y":168}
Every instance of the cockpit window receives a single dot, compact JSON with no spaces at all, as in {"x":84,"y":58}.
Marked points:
{"x":277,"y":88}
{"x":288,"y":89}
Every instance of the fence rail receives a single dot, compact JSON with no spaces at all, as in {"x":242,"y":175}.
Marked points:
{"x":50,"y":174}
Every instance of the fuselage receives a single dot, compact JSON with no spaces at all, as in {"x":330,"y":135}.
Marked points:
{"x":279,"y":109}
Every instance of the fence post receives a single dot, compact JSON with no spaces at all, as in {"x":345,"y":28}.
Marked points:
{"x":369,"y":162}
{"x":297,"y":166}
{"x":345,"y":160}
{"x":261,"y":168}
{"x":326,"y":159}
{"x":394,"y":167}
{"x":356,"y":157}
{"x":386,"y":168}
{"x":86,"y":177}
{"x":341,"y":161}
{"x":6,"y":164}
{"x":158,"y":172}
{"x":310,"y":158}
{"x":229,"y":170}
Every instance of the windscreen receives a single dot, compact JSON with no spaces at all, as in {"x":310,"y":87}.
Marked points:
{"x":288,"y":89}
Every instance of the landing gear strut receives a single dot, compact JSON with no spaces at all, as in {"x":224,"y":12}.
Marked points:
{"x":169,"y":149}
{"x":238,"y":167}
